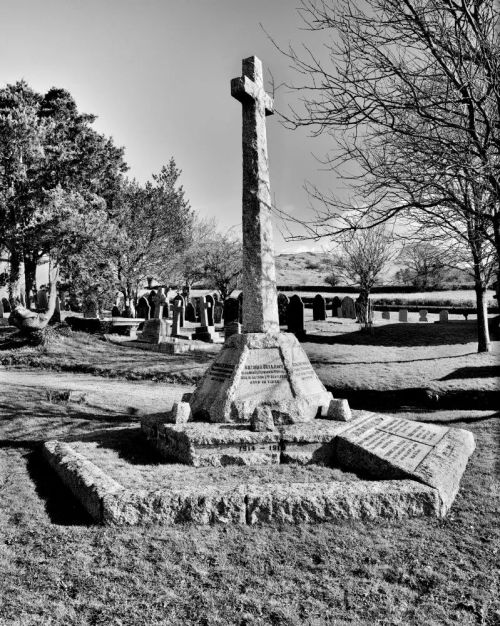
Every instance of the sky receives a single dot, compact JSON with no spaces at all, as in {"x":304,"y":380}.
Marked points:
{"x":157,"y":74}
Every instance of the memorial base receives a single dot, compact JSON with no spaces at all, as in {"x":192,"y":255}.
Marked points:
{"x":260,"y":369}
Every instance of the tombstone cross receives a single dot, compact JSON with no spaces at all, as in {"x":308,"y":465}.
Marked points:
{"x":159,"y":301}
{"x":260,"y":312}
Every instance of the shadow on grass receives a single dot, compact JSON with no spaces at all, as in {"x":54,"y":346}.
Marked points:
{"x":484,"y":371}
{"x":403,"y":335}
{"x":60,"y":504}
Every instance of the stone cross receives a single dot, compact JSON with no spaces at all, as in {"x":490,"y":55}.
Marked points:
{"x":159,"y":302}
{"x":204,"y":305}
{"x":260,"y":312}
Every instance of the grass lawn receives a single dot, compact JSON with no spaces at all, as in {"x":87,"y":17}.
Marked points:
{"x":439,"y":357}
{"x":56,"y":568}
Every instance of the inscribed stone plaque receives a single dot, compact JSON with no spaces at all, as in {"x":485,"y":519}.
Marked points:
{"x":390,"y":447}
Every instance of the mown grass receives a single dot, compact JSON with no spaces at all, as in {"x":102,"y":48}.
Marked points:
{"x":56,"y":568}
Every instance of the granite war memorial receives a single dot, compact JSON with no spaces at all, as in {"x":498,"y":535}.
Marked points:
{"x":261,"y":404}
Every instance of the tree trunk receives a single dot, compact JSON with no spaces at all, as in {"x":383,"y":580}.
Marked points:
{"x":30,"y":322}
{"x":16,"y":295}
{"x":483,"y":333}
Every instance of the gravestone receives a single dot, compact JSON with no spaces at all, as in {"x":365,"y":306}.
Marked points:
{"x":210,"y":309}
{"x":218,"y":310}
{"x":177,"y":315}
{"x":206,"y":331}
{"x":348,"y":308}
{"x":423,"y":315}
{"x":319,"y":308}
{"x":403,"y":315}
{"x":156,"y":329}
{"x":115,"y":312}
{"x":56,"y":316}
{"x":180,"y":303}
{"x":233,"y":328}
{"x":231,"y":310}
{"x":240,"y":310}
{"x":6,"y":305}
{"x":1,"y":309}
{"x":336,"y":305}
{"x":443,"y":316}
{"x":151,"y":299}
{"x":42,"y":300}
{"x":143,"y":308}
{"x":283,"y":302}
{"x":190,"y":313}
{"x":296,"y":315}
{"x":386,"y":315}
{"x":90,"y":308}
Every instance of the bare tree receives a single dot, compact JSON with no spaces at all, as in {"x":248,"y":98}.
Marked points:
{"x":424,"y":264}
{"x":410,"y":89}
{"x":361,"y":257}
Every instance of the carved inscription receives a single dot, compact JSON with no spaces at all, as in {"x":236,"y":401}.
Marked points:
{"x":220,"y":372}
{"x":424,"y":433}
{"x":266,"y":374}
{"x":304,"y":370}
{"x":404,"y":453}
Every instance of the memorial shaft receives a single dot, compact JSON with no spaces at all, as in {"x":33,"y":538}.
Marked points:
{"x":260,"y":308}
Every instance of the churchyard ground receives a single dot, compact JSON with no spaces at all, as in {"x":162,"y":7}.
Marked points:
{"x":59,"y":568}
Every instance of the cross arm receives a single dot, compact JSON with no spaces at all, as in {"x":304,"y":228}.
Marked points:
{"x":245,"y":90}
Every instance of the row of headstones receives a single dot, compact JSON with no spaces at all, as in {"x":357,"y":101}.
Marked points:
{"x":403,"y":315}
{"x":156,"y":305}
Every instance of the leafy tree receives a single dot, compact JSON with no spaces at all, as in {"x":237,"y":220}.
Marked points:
{"x":154,"y":224}
{"x":46,"y":144}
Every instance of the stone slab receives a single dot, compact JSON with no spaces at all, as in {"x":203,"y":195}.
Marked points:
{"x":390,"y":447}
{"x":237,"y":502}
{"x":202,"y":444}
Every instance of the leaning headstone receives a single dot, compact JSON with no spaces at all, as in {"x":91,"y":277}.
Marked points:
{"x":42,"y":301}
{"x":218,"y":310}
{"x":115,"y":312}
{"x":403,"y":315}
{"x":336,"y":305}
{"x":143,"y":308}
{"x":90,"y":309}
{"x":386,"y":315}
{"x":423,"y":315}
{"x":283,"y":302}
{"x":296,"y":315}
{"x":231,"y":310}
{"x":443,"y":315}
{"x":319,"y":308}
{"x":348,"y":308}
{"x":190,"y":313}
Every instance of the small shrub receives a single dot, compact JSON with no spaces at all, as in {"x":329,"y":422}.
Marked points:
{"x":331,"y":280}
